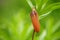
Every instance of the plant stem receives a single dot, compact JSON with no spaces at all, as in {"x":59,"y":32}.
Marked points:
{"x":33,"y":35}
{"x":30,"y":3}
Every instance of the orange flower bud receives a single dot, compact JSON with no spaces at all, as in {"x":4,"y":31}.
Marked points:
{"x":35,"y":21}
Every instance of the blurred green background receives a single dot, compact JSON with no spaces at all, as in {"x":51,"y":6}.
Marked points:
{"x":15,"y":21}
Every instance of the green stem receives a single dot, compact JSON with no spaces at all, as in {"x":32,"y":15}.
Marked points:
{"x":33,"y":35}
{"x":30,"y":3}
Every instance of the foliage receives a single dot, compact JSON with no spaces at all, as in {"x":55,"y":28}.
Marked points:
{"x":15,"y":22}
